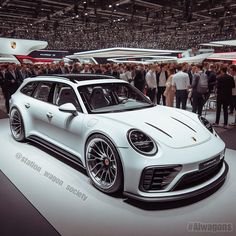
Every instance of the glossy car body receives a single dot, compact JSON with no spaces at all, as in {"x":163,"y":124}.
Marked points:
{"x":151,"y":153}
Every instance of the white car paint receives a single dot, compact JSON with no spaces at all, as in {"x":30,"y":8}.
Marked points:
{"x":180,"y":137}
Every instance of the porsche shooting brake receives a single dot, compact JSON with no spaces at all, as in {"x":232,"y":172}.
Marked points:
{"x":124,"y":141}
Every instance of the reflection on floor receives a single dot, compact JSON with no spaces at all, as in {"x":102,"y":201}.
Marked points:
{"x":3,"y":115}
{"x":66,"y":198}
{"x":18,"y":215}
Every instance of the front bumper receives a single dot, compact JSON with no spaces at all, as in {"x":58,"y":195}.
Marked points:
{"x":190,"y":160}
{"x":186,"y":193}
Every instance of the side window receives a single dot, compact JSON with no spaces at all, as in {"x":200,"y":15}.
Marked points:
{"x":43,"y":91}
{"x":65,"y":94}
{"x":29,"y":88}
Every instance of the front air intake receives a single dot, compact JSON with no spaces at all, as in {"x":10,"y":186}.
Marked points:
{"x":198,"y":177}
{"x":158,"y":177}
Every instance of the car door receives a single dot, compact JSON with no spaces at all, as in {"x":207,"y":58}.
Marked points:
{"x":39,"y":106}
{"x":63,"y":128}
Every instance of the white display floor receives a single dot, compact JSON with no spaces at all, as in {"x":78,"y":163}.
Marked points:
{"x":65,"y":197}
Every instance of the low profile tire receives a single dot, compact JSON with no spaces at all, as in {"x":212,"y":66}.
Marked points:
{"x":17,"y":125}
{"x":103,"y":164}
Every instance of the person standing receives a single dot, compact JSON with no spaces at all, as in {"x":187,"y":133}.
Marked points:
{"x":199,"y":90}
{"x":62,"y":69}
{"x":181,"y":83}
{"x":23,"y":73}
{"x":11,"y":84}
{"x":139,"y":78}
{"x":233,"y":73}
{"x":224,"y":86}
{"x":3,"y":85}
{"x":115,"y":71}
{"x":151,"y":82}
{"x":169,"y":91}
{"x":211,"y":78}
{"x":162,"y":77}
{"x":11,"y":78}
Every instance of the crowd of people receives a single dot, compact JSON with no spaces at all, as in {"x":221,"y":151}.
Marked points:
{"x":162,"y":83}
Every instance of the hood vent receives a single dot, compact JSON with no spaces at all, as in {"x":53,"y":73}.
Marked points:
{"x":184,"y":124}
{"x":159,"y":129}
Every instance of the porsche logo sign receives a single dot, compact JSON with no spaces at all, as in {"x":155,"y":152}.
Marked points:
{"x":13,"y":44}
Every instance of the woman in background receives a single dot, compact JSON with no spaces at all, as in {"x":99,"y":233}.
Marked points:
{"x":170,"y":91}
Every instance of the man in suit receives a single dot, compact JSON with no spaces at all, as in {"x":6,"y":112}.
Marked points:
{"x":198,"y":95}
{"x":224,"y":86}
{"x":12,"y":79}
{"x":23,"y":72}
{"x":2,"y":78}
{"x":151,"y":81}
{"x":3,"y":85}
{"x":62,"y":69}
{"x":139,"y":78}
{"x":162,"y":77}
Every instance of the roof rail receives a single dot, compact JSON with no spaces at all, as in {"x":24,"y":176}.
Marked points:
{"x":79,"y":77}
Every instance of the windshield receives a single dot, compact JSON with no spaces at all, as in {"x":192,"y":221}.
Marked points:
{"x":112,"y":97}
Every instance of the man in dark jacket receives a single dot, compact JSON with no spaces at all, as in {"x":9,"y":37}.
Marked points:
{"x":23,"y":72}
{"x":139,"y":78}
{"x":162,"y":77}
{"x":62,"y":69}
{"x":12,"y":80}
{"x":211,"y":78}
{"x":198,"y":95}
{"x":224,"y":86}
{"x":4,"y":87}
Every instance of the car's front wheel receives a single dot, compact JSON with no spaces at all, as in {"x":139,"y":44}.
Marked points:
{"x":103,"y":164}
{"x":17,"y":125}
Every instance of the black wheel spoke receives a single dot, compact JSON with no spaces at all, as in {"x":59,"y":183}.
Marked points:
{"x":94,"y":167}
{"x":100,"y":169}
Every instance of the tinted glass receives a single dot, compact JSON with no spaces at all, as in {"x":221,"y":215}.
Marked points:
{"x":29,"y":88}
{"x":65,"y":94}
{"x":112,"y":97}
{"x":43,"y":91}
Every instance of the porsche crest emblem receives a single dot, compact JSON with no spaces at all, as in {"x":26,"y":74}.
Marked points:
{"x":194,"y":139}
{"x":13,"y":44}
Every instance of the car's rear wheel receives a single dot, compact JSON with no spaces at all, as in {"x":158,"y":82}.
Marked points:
{"x":103,"y":164}
{"x":17,"y":125}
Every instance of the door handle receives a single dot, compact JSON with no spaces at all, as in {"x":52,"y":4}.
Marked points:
{"x":27,"y":105}
{"x":49,"y":115}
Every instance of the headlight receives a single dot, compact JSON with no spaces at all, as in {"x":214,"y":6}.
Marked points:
{"x":141,"y":142}
{"x":206,"y":123}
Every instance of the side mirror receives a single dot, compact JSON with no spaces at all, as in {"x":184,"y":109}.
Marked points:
{"x":68,"y":108}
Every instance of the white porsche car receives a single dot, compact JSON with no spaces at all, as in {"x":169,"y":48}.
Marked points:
{"x":124,"y":141}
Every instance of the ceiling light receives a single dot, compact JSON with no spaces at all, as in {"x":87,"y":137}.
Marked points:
{"x":110,"y":6}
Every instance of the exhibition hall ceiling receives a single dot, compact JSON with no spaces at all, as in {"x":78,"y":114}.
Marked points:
{"x":93,"y":24}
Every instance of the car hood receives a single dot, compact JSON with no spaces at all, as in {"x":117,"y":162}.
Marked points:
{"x":165,"y":125}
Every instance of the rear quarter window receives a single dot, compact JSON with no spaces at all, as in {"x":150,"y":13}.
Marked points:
{"x":29,"y":88}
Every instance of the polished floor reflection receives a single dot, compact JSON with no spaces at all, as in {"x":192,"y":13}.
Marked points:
{"x":63,"y":194}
